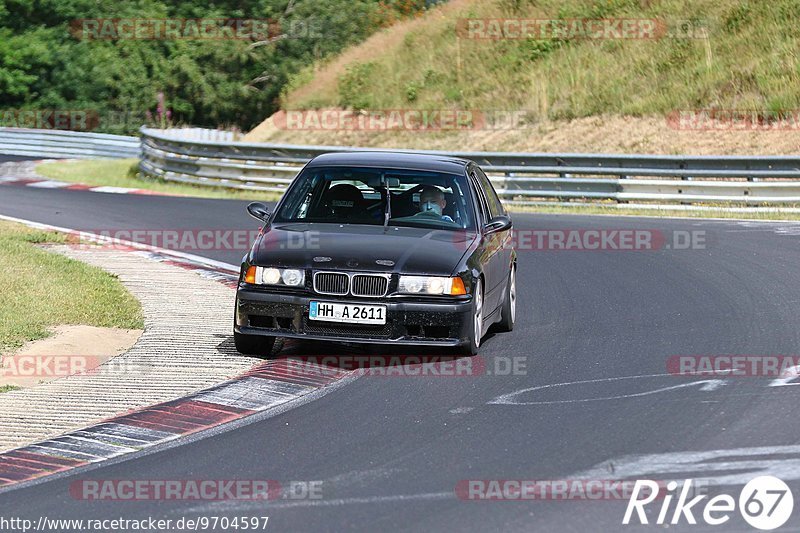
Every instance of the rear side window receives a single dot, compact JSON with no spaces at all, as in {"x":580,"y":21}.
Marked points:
{"x":480,"y":197}
{"x":495,"y":206}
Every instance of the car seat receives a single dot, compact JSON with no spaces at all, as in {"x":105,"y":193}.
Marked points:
{"x":344,"y":202}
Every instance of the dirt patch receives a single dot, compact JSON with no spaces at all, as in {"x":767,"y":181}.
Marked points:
{"x":602,"y":134}
{"x":69,"y":350}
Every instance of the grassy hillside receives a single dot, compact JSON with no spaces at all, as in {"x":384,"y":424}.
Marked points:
{"x":749,"y":62}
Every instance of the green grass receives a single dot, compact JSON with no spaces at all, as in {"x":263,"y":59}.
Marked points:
{"x":599,"y":209}
{"x":748,"y":62}
{"x":40,"y":289}
{"x":7,"y":388}
{"x":124,"y":173}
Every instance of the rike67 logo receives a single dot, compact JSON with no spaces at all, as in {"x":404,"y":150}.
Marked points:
{"x":765,"y":503}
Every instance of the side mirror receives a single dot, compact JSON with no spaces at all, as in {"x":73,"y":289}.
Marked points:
{"x":259,"y":211}
{"x":501,"y":223}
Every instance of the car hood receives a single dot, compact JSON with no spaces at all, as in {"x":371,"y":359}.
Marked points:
{"x":362,"y":248}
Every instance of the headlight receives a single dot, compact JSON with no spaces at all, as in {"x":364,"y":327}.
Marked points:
{"x":431,"y":285}
{"x":269,"y":276}
{"x":292,"y":277}
{"x":275,"y":276}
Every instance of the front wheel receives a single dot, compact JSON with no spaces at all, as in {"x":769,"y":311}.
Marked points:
{"x":476,"y":329}
{"x":508,"y":315}
{"x":257,"y":345}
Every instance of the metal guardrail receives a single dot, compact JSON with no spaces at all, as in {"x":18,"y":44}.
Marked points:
{"x":211,"y":158}
{"x":66,"y":144}
{"x":517,"y":177}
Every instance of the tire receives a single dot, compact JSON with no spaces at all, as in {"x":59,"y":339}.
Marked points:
{"x":508,"y":315}
{"x":476,"y":330}
{"x":257,"y":345}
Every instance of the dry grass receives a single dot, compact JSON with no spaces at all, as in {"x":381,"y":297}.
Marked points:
{"x":323,"y":77}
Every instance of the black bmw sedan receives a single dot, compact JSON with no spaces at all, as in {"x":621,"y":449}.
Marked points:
{"x":378,"y":247}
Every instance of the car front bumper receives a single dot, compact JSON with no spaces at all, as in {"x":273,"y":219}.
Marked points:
{"x":428,"y":322}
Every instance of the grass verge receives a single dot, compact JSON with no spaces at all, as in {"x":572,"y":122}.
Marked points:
{"x":125,"y":173}
{"x":609,"y":210}
{"x":40,"y":289}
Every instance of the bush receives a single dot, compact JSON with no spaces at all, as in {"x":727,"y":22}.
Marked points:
{"x":354,"y":86}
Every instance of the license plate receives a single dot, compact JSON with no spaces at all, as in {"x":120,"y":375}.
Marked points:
{"x":352,"y":313}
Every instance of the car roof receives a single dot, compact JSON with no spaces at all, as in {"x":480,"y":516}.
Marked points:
{"x":405,"y":160}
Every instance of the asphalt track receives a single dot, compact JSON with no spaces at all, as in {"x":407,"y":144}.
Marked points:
{"x":390,"y":451}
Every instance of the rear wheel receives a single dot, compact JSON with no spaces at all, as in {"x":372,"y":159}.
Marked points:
{"x":509,"y":312}
{"x":257,"y":345}
{"x":476,"y":329}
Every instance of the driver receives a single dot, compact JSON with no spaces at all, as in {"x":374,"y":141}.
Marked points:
{"x":432,"y":203}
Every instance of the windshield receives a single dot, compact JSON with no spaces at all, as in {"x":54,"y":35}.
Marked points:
{"x":354,"y":195}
